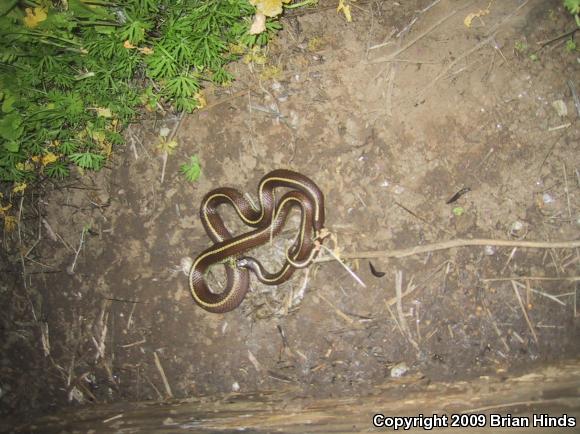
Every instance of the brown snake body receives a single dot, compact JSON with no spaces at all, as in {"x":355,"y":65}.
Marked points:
{"x":268,"y":220}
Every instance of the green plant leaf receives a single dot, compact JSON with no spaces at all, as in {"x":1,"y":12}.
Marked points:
{"x":191,"y":170}
{"x":458,"y":211}
{"x":87,"y":160}
{"x":134,"y":31}
{"x":12,"y":146}
{"x":573,"y":6}
{"x":57,"y":77}
{"x":57,"y":170}
{"x":8,"y":103}
{"x":11,"y":126}
{"x":182,"y":86}
{"x":68,"y":147}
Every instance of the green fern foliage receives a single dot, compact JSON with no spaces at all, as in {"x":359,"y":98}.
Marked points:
{"x":73,"y":73}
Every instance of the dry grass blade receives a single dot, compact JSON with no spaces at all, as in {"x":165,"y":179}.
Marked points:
{"x":453,"y":244}
{"x":339,"y":312}
{"x":400,"y":314}
{"x":162,"y":373}
{"x":520,"y":301}
{"x":336,"y":258}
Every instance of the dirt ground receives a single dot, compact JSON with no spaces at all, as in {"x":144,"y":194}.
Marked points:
{"x":391,"y":115}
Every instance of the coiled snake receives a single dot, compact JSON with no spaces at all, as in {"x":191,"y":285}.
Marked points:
{"x":267,"y":221}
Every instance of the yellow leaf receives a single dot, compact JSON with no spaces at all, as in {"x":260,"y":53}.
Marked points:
{"x":9,"y":223}
{"x":107,"y":148}
{"x":342,"y":6}
{"x":103,"y":112}
{"x":167,"y":147}
{"x":256,"y":56}
{"x":237,"y":49}
{"x":146,"y":51}
{"x":48,"y":158}
{"x":3,"y":209}
{"x":271,"y":72}
{"x":201,"y":101}
{"x":19,"y":187}
{"x":470,"y":17}
{"x":270,"y":8}
{"x":314,"y":44}
{"x":97,"y":136}
{"x":34,"y":16}
{"x":35,"y":158}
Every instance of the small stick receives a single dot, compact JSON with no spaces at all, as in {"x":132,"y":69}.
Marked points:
{"x":164,"y":164}
{"x":395,"y":319}
{"x":571,"y":261}
{"x":45,"y":338}
{"x":299,"y":295}
{"x":119,"y":416}
{"x":337,"y":310}
{"x":516,"y":334}
{"x":142,"y":341}
{"x":528,"y":291}
{"x":556,"y":142}
{"x":162,"y":372}
{"x":21,"y":249}
{"x":153,"y":386}
{"x":566,"y":191}
{"x":336,"y":258}
{"x":497,"y":330}
{"x":255,"y":362}
{"x":402,"y":320}
{"x":472,"y":50}
{"x":130,"y":319}
{"x":169,"y":139}
{"x":414,"y":40}
{"x":418,"y":217}
{"x":575,"y":300}
{"x":560,"y":127}
{"x":452,"y":244}
{"x":418,"y":323}
{"x":509,"y":259}
{"x":71,"y":269}
{"x":554,"y":279}
{"x":545,"y":294}
{"x":542,"y":44}
{"x":101,"y":347}
{"x":520,"y":301}
{"x":536,"y":402}
{"x":574,"y":95}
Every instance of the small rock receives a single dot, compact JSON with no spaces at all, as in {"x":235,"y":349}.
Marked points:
{"x":399,"y":370}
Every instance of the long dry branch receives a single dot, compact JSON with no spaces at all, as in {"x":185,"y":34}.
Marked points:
{"x":452,"y":244}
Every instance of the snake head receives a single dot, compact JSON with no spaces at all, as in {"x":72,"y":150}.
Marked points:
{"x":242,"y":263}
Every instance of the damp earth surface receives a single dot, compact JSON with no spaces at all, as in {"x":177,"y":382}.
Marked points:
{"x":391,"y":115}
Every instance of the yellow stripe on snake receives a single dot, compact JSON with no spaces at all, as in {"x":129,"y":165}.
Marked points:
{"x":267,"y":221}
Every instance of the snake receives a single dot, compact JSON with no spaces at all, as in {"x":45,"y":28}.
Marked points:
{"x":267,"y":219}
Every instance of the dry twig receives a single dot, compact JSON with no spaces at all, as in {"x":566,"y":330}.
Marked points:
{"x":525,"y":312}
{"x":452,"y":244}
{"x":162,"y":373}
